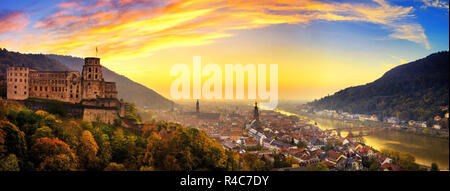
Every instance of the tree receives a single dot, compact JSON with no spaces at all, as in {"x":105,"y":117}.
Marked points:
{"x":42,"y":132}
{"x":53,"y":154}
{"x":434,"y":167}
{"x":88,"y":151}
{"x":115,"y":167}
{"x":374,"y":167}
{"x":12,"y":141}
{"x":119,"y":146}
{"x":9,"y":163}
{"x":319,"y":167}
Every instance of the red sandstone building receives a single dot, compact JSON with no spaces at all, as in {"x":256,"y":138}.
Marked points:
{"x":98,"y":97}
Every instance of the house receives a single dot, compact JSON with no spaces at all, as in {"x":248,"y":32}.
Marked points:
{"x":437,"y":118}
{"x":390,"y":167}
{"x":437,"y":126}
{"x":250,"y":142}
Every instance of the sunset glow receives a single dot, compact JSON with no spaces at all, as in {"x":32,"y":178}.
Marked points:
{"x":320,"y":46}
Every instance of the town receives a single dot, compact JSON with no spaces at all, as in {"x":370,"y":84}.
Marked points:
{"x":269,"y":134}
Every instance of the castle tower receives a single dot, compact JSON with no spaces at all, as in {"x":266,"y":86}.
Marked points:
{"x":256,"y":112}
{"x":93,"y":83}
{"x":17,"y":82}
{"x":92,"y":70}
{"x":197,"y":107}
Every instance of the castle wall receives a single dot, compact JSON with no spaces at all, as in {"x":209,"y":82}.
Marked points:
{"x":17,"y":83}
{"x":100,"y":114}
{"x":72,"y":110}
{"x":62,"y":86}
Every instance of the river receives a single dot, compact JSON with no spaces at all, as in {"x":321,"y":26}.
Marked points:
{"x":425,"y":149}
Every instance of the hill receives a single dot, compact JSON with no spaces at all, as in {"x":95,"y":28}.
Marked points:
{"x":129,"y":90}
{"x":35,"y":61}
{"x":416,"y":90}
{"x":41,"y":141}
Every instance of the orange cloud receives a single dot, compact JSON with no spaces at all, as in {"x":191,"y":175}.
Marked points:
{"x":13,"y":21}
{"x":136,"y":28}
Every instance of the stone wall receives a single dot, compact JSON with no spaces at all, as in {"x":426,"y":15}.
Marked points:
{"x":71,"y":110}
{"x":104,"y":115}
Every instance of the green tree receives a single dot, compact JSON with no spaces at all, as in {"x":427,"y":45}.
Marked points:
{"x":9,"y":163}
{"x":434,"y":167}
{"x":12,"y":141}
{"x":42,"y":132}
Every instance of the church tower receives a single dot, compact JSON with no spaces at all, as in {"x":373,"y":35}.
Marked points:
{"x":197,"y":107}
{"x":256,"y":112}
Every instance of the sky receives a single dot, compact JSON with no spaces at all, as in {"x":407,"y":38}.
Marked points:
{"x":320,"y":46}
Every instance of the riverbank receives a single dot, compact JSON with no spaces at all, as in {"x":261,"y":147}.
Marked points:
{"x":425,"y":149}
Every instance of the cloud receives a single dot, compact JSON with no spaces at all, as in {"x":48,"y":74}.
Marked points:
{"x":411,"y":32}
{"x":138,"y":27}
{"x":435,"y":3}
{"x":12,"y":21}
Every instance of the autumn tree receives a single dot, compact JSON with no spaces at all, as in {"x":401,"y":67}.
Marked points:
{"x":87,"y":151}
{"x":42,"y":132}
{"x":53,"y":154}
{"x":115,"y":167}
{"x":12,"y":141}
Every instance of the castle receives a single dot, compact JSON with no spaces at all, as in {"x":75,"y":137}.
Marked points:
{"x":97,"y":97}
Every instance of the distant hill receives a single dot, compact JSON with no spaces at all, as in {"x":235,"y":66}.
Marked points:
{"x":129,"y":90}
{"x":415,"y":90}
{"x":36,"y":61}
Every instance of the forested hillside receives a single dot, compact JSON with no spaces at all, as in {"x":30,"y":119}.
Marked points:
{"x":417,"y":90}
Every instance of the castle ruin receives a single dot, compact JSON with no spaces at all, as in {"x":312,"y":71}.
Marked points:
{"x":97,"y":97}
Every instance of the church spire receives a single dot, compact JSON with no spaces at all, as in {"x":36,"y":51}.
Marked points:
{"x":197,"y":107}
{"x":256,"y":112}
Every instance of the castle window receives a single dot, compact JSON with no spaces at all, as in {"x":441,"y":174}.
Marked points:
{"x":15,"y":92}
{"x":15,"y":79}
{"x":77,"y":96}
{"x":40,"y":88}
{"x":71,"y":95}
{"x":95,"y":70}
{"x":89,"y":69}
{"x":45,"y":88}
{"x":25,"y":74}
{"x":35,"y":88}
{"x":15,"y":87}
{"x":20,"y":80}
{"x":95,"y":76}
{"x":25,"y":80}
{"x":89,"y":76}
{"x":25,"y":93}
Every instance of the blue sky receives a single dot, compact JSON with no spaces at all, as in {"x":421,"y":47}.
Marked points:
{"x":329,"y":44}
